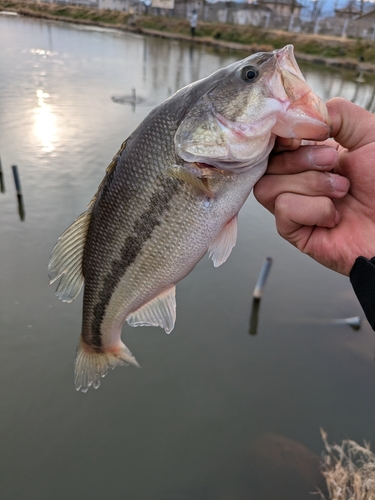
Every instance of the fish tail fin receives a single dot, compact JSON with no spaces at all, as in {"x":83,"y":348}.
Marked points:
{"x":91,"y":366}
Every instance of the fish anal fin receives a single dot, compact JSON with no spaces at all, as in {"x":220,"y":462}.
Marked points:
{"x":222,"y":246}
{"x":160,"y":311}
{"x":90,"y":365}
{"x":191,"y":178}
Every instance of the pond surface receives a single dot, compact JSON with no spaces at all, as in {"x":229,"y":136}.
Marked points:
{"x":214,"y":413}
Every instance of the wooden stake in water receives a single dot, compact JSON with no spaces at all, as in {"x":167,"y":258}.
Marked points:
{"x":2,"y":185}
{"x":17,"y":182}
{"x":354,"y":322}
{"x":263,"y":275}
{"x":253,"y":328}
{"x":16,"y":178}
{"x":257,"y":295}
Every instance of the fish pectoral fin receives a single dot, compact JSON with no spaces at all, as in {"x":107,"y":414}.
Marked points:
{"x":221,"y":247}
{"x":185,"y":175}
{"x":160,"y":311}
{"x":66,"y":259}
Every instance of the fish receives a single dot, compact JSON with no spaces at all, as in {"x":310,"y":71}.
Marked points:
{"x":171,"y":194}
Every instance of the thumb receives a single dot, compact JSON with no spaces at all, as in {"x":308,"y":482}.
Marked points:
{"x":352,"y":126}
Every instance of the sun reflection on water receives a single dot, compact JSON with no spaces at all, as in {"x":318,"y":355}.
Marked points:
{"x":45,"y":126}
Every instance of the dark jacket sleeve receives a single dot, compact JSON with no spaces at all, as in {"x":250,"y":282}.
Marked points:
{"x":362,"y":278}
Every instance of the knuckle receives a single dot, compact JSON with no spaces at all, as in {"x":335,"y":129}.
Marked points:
{"x":263,"y":189}
{"x":312,"y":178}
{"x":318,"y":182}
{"x":282,"y":205}
{"x":329,"y":209}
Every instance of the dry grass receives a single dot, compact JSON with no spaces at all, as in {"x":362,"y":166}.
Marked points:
{"x":349,"y":470}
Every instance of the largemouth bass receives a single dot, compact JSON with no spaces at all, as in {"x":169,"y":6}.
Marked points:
{"x":171,"y":194}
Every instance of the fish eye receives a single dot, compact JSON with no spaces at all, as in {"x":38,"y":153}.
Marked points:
{"x":249,"y":73}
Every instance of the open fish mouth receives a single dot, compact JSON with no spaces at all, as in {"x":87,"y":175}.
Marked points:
{"x":233,"y":126}
{"x":306,"y":116}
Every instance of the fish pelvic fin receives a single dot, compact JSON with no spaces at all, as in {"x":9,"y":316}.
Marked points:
{"x":222,"y":246}
{"x":91,"y":365}
{"x":160,"y":311}
{"x":66,"y":259}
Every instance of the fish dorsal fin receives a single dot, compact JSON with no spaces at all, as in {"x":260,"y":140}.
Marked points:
{"x":67,"y":254}
{"x":108,"y":172}
{"x":221,"y":247}
{"x":66,"y":259}
{"x":185,"y":175}
{"x":160,"y":311}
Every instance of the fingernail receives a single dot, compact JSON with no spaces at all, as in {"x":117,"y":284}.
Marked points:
{"x":322,"y":156}
{"x":339,"y":183}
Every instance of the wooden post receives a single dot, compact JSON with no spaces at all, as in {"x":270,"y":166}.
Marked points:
{"x":263,"y":275}
{"x":17,"y":182}
{"x":257,"y":295}
{"x":2,"y":185}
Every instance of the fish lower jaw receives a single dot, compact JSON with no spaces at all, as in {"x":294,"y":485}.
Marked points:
{"x":92,"y":363}
{"x":305,"y":118}
{"x":297,"y":126}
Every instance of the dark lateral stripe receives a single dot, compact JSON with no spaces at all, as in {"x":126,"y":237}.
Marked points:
{"x":143,"y":229}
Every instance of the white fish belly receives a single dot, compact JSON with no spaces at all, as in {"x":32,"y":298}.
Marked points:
{"x":177,"y":244}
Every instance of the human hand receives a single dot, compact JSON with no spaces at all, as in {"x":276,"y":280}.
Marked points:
{"x":323,"y":197}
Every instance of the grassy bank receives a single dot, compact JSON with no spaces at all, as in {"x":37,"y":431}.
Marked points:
{"x":321,"y":49}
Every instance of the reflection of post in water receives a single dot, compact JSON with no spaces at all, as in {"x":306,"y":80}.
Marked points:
{"x":145,"y":57}
{"x":359,"y":80}
{"x":17,"y":182}
{"x":370,"y":103}
{"x":257,"y":295}
{"x":2,"y":185}
{"x":134,"y":99}
{"x":50,"y":37}
{"x":253,"y":328}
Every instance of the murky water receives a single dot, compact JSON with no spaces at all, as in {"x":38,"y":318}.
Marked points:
{"x":190,"y":424}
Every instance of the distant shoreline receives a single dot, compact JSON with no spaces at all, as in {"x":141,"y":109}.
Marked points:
{"x":210,"y":34}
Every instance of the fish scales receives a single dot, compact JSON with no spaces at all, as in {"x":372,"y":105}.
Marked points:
{"x":151,"y":190}
{"x":148,"y":194}
{"x":171,"y":194}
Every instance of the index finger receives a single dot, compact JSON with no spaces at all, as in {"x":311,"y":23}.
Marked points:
{"x":304,"y":158}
